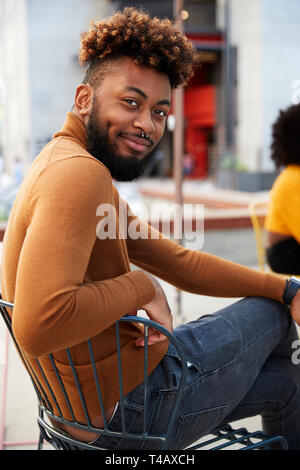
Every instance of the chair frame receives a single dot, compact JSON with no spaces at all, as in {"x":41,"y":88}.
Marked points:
{"x":254,"y":207}
{"x":223,"y":436}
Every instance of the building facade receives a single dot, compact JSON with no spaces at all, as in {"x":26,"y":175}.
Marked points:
{"x":15,"y":128}
{"x":266,"y":36}
{"x":250,"y":70}
{"x":39,"y":71}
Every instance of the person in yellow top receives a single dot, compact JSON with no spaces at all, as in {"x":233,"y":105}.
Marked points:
{"x":283,"y":218}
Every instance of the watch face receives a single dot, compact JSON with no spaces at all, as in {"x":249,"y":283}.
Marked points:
{"x":295,"y":280}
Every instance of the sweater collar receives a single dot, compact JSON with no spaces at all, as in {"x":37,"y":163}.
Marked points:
{"x":73,"y":127}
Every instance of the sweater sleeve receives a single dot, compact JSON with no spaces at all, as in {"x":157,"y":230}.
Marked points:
{"x":198,"y":272}
{"x":54,"y":307}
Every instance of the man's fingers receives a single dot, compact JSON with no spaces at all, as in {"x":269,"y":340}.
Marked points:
{"x":153,"y":338}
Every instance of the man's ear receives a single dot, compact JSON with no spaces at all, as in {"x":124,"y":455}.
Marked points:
{"x":84,"y":100}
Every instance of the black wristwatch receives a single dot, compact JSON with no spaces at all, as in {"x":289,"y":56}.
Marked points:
{"x":291,"y":287}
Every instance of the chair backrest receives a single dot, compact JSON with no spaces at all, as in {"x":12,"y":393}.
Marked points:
{"x":46,"y":395}
{"x":258,"y":212}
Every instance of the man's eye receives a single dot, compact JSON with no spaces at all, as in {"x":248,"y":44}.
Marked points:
{"x":131,"y":102}
{"x":161,"y":113}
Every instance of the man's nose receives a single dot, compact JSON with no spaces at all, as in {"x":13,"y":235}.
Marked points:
{"x":145,"y":122}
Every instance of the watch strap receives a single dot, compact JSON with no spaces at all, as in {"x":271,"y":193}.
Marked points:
{"x":291,"y":287}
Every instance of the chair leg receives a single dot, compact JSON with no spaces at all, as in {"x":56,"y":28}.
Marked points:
{"x":41,"y":441}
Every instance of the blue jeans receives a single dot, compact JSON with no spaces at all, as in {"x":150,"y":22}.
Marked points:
{"x":241,"y":366}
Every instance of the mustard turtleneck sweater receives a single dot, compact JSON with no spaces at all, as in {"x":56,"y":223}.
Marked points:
{"x":68,"y":285}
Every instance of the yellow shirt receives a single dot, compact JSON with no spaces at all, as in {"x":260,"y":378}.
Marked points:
{"x":284,"y":209}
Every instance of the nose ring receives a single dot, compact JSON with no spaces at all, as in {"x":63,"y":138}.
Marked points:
{"x":146,"y":136}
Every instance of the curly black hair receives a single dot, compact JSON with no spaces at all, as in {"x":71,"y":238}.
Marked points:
{"x":149,"y":41}
{"x":285,"y":146}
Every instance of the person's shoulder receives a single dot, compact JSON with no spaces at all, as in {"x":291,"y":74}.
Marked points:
{"x":289,"y":176}
{"x":292,"y":172}
{"x":65,"y":158}
{"x":69,"y":169}
{"x":68,"y":152}
{"x":287,"y":185}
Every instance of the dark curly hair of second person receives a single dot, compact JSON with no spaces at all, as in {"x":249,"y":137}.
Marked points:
{"x":285,"y":146}
{"x":149,"y":41}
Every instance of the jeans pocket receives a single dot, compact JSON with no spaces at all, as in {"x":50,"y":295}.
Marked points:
{"x":133,"y":421}
{"x":192,"y":426}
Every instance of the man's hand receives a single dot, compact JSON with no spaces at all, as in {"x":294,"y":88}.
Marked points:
{"x":295,"y":307}
{"x":159,"y":311}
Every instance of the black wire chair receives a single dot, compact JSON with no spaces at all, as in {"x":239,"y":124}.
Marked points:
{"x":219,"y":438}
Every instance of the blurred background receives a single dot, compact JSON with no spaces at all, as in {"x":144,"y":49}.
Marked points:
{"x":250,"y":69}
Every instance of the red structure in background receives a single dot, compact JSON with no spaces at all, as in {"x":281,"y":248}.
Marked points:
{"x":200,"y":107}
{"x":200,"y":112}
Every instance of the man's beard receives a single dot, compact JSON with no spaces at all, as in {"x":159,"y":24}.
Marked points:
{"x":121,"y":168}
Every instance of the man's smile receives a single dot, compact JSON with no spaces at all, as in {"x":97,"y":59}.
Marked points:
{"x":137,"y":143}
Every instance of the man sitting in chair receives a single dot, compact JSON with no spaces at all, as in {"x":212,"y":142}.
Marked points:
{"x":70,"y":283}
